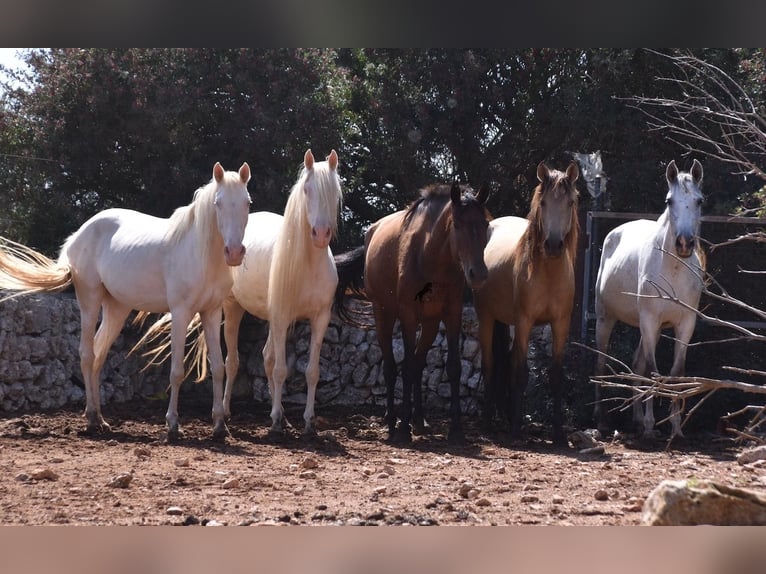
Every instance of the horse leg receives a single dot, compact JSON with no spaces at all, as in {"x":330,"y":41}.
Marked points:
{"x":683,"y":333}
{"x":318,"y":328}
{"x":408,"y":325}
{"x":113,"y":315}
{"x":275,"y":359}
{"x":646,"y":364}
{"x":384,"y":328}
{"x":560,"y":330}
{"x":425,"y":340}
{"x":452,"y":328}
{"x":211,"y":326}
{"x":233,"y":313}
{"x":604,"y":327}
{"x":486,"y":340}
{"x":90,"y":305}
{"x":180,"y":320}
{"x":519,"y":378}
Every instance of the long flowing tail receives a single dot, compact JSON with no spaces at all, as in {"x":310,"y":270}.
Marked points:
{"x":24,"y":270}
{"x":351,"y":303}
{"x":157,"y":341}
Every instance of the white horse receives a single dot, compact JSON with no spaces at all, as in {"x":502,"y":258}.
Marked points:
{"x":641,"y":261}
{"x":288,"y":274}
{"x":120,"y":260}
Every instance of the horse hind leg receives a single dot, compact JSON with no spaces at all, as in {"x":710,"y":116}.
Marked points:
{"x":112,"y":321}
{"x":427,"y":335}
{"x":604,"y":327}
{"x":180,"y":320}
{"x":233,"y":314}
{"x":211,"y":325}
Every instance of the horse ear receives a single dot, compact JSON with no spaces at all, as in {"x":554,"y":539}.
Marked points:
{"x":671,"y":173}
{"x":542,"y":172}
{"x":332,"y":160}
{"x":455,"y":193}
{"x":573,"y":172}
{"x":218,"y":171}
{"x":696,"y":172}
{"x":244,"y":173}
{"x":483,"y":194}
{"x":308,"y":159}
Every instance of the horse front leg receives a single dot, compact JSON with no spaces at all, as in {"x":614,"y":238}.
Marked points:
{"x":604,"y":327}
{"x":318,"y":328}
{"x":560,"y":330}
{"x":519,"y":378}
{"x":453,"y":324}
{"x":409,"y":373}
{"x":179,"y":323}
{"x":683,"y":333}
{"x":647,"y":366}
{"x":211,"y":326}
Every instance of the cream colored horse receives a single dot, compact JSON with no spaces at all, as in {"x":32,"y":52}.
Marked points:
{"x":288,"y":274}
{"x":120,"y":260}
{"x":642,"y":259}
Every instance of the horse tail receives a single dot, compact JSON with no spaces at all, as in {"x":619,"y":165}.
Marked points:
{"x":350,"y":267}
{"x":157,"y":340}
{"x":26,"y":271}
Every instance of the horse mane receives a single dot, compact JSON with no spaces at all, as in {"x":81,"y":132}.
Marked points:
{"x":433,"y":196}
{"x":200,"y":215}
{"x":532,"y":248}
{"x":290,"y":251}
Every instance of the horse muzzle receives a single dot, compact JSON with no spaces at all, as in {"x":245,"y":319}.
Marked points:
{"x":685,"y":245}
{"x":553,"y":247}
{"x":234,"y":255}
{"x":320,"y":236}
{"x":476,"y":276}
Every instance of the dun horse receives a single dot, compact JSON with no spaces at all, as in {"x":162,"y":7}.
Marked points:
{"x":640,"y":261}
{"x":531,"y":282}
{"x":288,"y":274}
{"x":120,"y":260}
{"x":416,"y":264}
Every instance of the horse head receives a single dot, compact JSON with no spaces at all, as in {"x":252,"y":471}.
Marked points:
{"x":322,"y":189}
{"x":469,"y":223}
{"x":684,"y":206}
{"x":554,"y":207}
{"x":232,"y":204}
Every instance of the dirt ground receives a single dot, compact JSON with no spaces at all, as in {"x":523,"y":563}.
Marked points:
{"x":53,"y":473}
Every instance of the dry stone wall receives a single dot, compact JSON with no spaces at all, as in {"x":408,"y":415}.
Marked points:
{"x":40,"y":367}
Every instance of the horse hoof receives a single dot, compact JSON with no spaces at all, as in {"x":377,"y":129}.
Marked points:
{"x":220,"y":433}
{"x":309,"y":432}
{"x":98,"y":427}
{"x":420,"y":428}
{"x":276,"y":433}
{"x":400,"y":436}
{"x":174,"y":435}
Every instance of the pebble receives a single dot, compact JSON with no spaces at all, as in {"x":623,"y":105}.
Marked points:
{"x":174,"y":511}
{"x":483,"y":502}
{"x":142,"y":452}
{"x":558,"y":500}
{"x":22,"y":477}
{"x":231,"y":483}
{"x":530,"y":498}
{"x":308,"y":474}
{"x":380,"y":489}
{"x":43,"y":474}
{"x":122,"y":480}
{"x":181,"y":462}
{"x":601,"y":495}
{"x":310,"y":462}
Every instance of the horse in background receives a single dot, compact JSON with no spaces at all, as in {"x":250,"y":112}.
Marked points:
{"x":416,"y":263}
{"x":288,"y":274}
{"x":531,"y":281}
{"x":122,"y":260}
{"x":642,"y":260}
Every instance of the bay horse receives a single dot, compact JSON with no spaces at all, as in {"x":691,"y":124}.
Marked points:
{"x":288,"y":273}
{"x":121,"y":260}
{"x":640,"y":260}
{"x":531,"y":281}
{"x":417,"y":262}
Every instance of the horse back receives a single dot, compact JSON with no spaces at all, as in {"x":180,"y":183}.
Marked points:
{"x":381,"y":269}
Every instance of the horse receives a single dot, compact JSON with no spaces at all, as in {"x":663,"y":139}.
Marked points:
{"x":417,"y":262}
{"x":640,"y":260}
{"x":288,"y":273}
{"x":531,"y":281}
{"x":121,"y":260}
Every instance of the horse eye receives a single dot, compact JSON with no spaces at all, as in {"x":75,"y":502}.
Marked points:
{"x":669,"y":202}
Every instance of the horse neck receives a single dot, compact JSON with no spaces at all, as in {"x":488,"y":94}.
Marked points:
{"x":438,"y":243}
{"x":664,"y":237}
{"x":196,"y":225}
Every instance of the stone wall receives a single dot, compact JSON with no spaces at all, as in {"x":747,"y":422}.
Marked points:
{"x":40,"y":368}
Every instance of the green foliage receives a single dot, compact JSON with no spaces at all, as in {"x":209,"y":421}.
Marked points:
{"x":142,"y":128}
